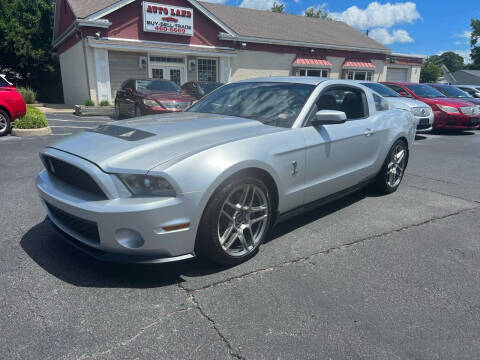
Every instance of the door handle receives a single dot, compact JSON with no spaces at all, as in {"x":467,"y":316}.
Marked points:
{"x":369,"y":132}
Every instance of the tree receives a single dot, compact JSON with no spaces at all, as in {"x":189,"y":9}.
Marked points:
{"x":430,"y":71}
{"x":316,"y":13}
{"x":452,"y":61}
{"x":475,"y":46}
{"x":278,"y":7}
{"x":26,"y":28}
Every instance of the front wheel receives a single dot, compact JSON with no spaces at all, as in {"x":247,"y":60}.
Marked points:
{"x":138,"y":111}
{"x":118,"y":115}
{"x":236,"y":222}
{"x":5,"y":125}
{"x":393,"y":170}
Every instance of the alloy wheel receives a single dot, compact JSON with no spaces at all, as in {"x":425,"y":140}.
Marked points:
{"x":3,"y":123}
{"x":396,"y":166}
{"x":243,"y":220}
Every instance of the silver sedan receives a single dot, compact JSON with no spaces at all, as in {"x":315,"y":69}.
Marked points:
{"x":213,"y":180}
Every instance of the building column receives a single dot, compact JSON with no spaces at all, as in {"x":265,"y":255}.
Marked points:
{"x":224,"y":70}
{"x":102,"y":70}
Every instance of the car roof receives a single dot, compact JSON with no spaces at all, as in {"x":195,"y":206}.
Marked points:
{"x":310,"y":80}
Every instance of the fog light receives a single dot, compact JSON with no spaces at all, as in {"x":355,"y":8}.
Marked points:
{"x":129,"y":238}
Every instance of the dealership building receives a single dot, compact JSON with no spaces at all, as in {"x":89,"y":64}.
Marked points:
{"x":101,"y":43}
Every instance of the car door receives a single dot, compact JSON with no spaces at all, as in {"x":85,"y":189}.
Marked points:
{"x":339,"y":156}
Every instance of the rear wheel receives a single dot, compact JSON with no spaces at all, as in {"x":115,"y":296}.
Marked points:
{"x":5,"y":124}
{"x":236,"y":222}
{"x":393,"y":170}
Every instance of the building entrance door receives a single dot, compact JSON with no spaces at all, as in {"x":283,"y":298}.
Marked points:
{"x":174,"y":74}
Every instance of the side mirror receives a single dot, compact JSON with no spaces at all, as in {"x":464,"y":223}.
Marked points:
{"x":128,"y":90}
{"x":404,"y":93}
{"x":329,"y":117}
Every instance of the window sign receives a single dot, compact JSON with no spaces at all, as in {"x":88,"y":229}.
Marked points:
{"x":167,"y":19}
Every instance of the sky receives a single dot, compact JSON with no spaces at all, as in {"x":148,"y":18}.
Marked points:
{"x":423,"y":27}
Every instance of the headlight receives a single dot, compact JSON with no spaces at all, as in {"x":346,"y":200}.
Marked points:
{"x":421,"y":111}
{"x":147,"y":185}
{"x":449,"y":109}
{"x":151,"y":103}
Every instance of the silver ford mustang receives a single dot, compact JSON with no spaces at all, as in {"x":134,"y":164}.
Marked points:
{"x":212,"y":181}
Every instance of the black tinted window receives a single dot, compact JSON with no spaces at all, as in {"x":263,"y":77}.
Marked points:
{"x":3,"y":83}
{"x":351,"y":101}
{"x":157,"y":85}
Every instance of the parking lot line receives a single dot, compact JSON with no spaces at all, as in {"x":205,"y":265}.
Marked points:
{"x":71,"y":127}
{"x":79,"y":120}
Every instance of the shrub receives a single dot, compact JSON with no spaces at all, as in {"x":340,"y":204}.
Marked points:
{"x":88,"y":102}
{"x":104,"y":103}
{"x":29,"y":95}
{"x":33,"y":119}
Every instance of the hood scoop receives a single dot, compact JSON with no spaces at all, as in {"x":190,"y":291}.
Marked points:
{"x":122,"y":132}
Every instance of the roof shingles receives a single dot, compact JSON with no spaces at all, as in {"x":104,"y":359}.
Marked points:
{"x":266,"y":25}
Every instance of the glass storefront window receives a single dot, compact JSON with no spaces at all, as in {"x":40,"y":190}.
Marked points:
{"x":207,"y":70}
{"x":313,"y":72}
{"x":359,"y":75}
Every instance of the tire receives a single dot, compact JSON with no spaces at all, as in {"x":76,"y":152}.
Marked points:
{"x":5,"y":123}
{"x":138,"y":111}
{"x":229,"y":234}
{"x":391,"y":175}
{"x":118,"y":114}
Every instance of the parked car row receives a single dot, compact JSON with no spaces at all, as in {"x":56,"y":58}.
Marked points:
{"x":453,"y":109}
{"x":435,"y":106}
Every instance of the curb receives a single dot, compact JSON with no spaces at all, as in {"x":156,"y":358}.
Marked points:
{"x":81,"y":110}
{"x":32,"y":132}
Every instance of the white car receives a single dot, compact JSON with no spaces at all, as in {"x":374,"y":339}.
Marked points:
{"x":473,"y":90}
{"x":422,"y":112}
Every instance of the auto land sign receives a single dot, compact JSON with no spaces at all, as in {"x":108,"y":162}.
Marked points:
{"x":167,"y":19}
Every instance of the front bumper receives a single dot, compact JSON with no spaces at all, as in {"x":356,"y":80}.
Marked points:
{"x":425,"y":124}
{"x":122,"y":229}
{"x":455,"y":122}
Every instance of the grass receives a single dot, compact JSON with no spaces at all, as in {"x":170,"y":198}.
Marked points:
{"x":29,"y":95}
{"x":88,"y":102}
{"x":104,"y":103}
{"x":33,"y":119}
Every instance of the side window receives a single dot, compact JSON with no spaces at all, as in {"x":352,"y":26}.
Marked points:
{"x":398,"y":89}
{"x":350,"y":100}
{"x":380,"y":103}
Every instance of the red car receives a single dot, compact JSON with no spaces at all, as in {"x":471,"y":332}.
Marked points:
{"x":450,"y":113}
{"x":12,"y":105}
{"x":138,"y":97}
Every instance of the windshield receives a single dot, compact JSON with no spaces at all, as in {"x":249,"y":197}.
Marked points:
{"x":452,"y":92}
{"x":3,"y":82}
{"x":381,"y":89}
{"x":157,"y":85}
{"x":271,"y":103}
{"x":424,"y":91}
{"x":208,"y":87}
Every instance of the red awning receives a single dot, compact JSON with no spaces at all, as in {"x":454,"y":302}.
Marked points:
{"x":358,"y":64}
{"x":311,"y":60}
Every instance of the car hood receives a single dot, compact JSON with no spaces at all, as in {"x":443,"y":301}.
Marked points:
{"x":139,"y":145}
{"x":446,"y":101}
{"x":405,"y":103}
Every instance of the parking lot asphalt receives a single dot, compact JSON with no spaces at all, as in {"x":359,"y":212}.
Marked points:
{"x":366,"y":277}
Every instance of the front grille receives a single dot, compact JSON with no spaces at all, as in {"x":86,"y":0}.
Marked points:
{"x":72,"y":175}
{"x":85,"y":228}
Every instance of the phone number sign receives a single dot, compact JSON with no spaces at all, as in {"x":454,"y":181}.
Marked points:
{"x":167,"y":19}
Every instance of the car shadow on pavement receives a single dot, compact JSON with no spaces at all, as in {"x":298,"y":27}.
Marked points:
{"x":453,"y":132}
{"x":68,"y":264}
